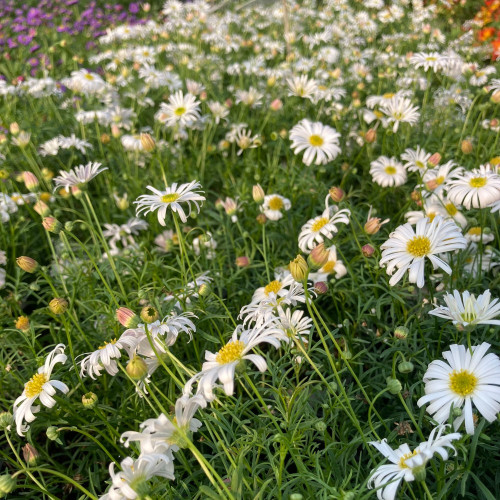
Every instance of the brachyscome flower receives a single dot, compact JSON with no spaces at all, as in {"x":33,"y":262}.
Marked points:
{"x":387,"y":172}
{"x":406,"y":248}
{"x":465,"y":379}
{"x":171,"y":198}
{"x":464,"y":309}
{"x":39,"y":387}
{"x":274,"y":205}
{"x":400,"y":110}
{"x":406,"y":464}
{"x":182,"y":110}
{"x":79,"y":176}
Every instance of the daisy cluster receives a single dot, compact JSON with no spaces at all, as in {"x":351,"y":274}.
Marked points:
{"x":183,"y":193}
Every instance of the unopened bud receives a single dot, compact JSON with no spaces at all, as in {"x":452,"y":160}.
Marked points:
{"x":23,"y":323}
{"x":405,"y":367}
{"x":320,"y":287}
{"x":495,"y":97}
{"x":30,"y":181}
{"x":148,"y":143}
{"x":7,"y":484}
{"x":41,"y":208}
{"x":261,"y":219}
{"x":419,"y":473}
{"x":58,"y":305}
{"x":318,"y":257}
{"x":373,"y":225}
{"x":371,"y":136}
{"x":456,"y":412}
{"x":276,"y":105}
{"x":115,"y":130}
{"x":127,"y":318}
{"x":68,"y":226}
{"x":137,"y":368}
{"x":52,"y":225}
{"x":204,"y":290}
{"x":27,"y":264}
{"x":89,"y":400}
{"x":401,"y":332}
{"x":320,"y":426}
{"x":258,"y":194}
{"x":466,"y":147}
{"x":105,"y":138}
{"x":368,"y":250}
{"x":52,"y":433}
{"x":14,"y":128}
{"x":23,"y":139}
{"x":394,"y":385}
{"x":415,"y":196}
{"x":6,"y":419}
{"x":149,"y":314}
{"x":298,"y":268}
{"x":434,"y":160}
{"x":242,"y":261}
{"x":431,"y":185}
{"x":30,"y":454}
{"x":336,"y":194}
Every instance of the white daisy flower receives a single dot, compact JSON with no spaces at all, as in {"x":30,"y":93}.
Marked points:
{"x":278,"y":287}
{"x":416,"y":159}
{"x":466,"y":378}
{"x":427,"y":60}
{"x":182,"y":110}
{"x":171,"y":198}
{"x":478,"y":188}
{"x":39,"y":387}
{"x":476,"y":234}
{"x":218,"y":110}
{"x":405,"y":463}
{"x":79,"y":176}
{"x":464,"y":309}
{"x":319,"y":142}
{"x":251,"y":97}
{"x":400,"y":110}
{"x":435,"y":179}
{"x":406,"y":249}
{"x":294,"y":325}
{"x":274,"y":205}
{"x":85,"y":82}
{"x":387,"y":172}
{"x":222,"y":365}
{"x":124,"y":233}
{"x":315,"y":230}
{"x":437,"y":205}
{"x":302,"y":86}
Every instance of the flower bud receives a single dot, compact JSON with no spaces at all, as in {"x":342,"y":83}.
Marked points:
{"x":320,"y":287}
{"x":52,"y":225}
{"x":149,"y":314}
{"x":7,"y":484}
{"x":204,"y":290}
{"x":434,"y":160}
{"x":137,"y":368}
{"x":466,"y":147}
{"x":89,"y":400}
{"x":419,"y":473}
{"x":14,"y":128}
{"x":258,"y":194}
{"x":30,"y":454}
{"x":261,"y":219}
{"x":318,"y":257}
{"x":405,"y":367}
{"x":368,"y":250}
{"x":415,"y":196}
{"x":401,"y":332}
{"x":41,"y":208}
{"x":30,"y":181}
{"x":147,"y":142}
{"x":336,"y":194}
{"x":394,"y":385}
{"x":296,"y":496}
{"x":127,"y":318}
{"x":68,"y":226}
{"x":298,"y":268}
{"x":6,"y":419}
{"x":105,"y":138}
{"x":373,"y":225}
{"x":276,"y":105}
{"x":242,"y":261}
{"x":23,"y":139}
{"x":23,"y":323}
{"x":456,"y":412}
{"x":58,"y":305}
{"x":27,"y":264}
{"x":495,"y":97}
{"x":320,"y":426}
{"x":52,"y":433}
{"x":371,"y":136}
{"x":115,"y":131}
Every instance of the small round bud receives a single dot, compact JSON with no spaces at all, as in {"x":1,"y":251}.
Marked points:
{"x":401,"y":332}
{"x":261,"y":219}
{"x":30,"y":181}
{"x":204,"y":290}
{"x":52,"y":433}
{"x":242,"y":261}
{"x":320,"y":287}
{"x":320,"y":426}
{"x":495,"y":97}
{"x":296,"y":496}
{"x":147,"y":142}
{"x":30,"y":454}
{"x":318,"y":257}
{"x":7,"y":484}
{"x":371,"y":136}
{"x":137,"y":368}
{"x":115,"y":131}
{"x":52,"y":225}
{"x":105,"y":138}
{"x":394,"y":385}
{"x":89,"y":400}
{"x":456,"y":412}
{"x":14,"y":128}
{"x":276,"y":105}
{"x":27,"y":264}
{"x":336,"y":194}
{"x":434,"y":160}
{"x":58,"y":305}
{"x":298,"y":268}
{"x":23,"y":323}
{"x":466,"y":147}
{"x":6,"y":419}
{"x":68,"y":226}
{"x":258,"y":194}
{"x":127,"y":318}
{"x":149,"y":314}
{"x":368,"y":250}
{"x":405,"y":367}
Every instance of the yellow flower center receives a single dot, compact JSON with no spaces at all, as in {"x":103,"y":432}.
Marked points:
{"x":34,"y":386}
{"x":388,"y":95}
{"x":169,"y":198}
{"x":323,"y":221}
{"x":431,"y":58}
{"x":477,"y":182}
{"x":232,"y":351}
{"x":419,"y":164}
{"x":390,"y":170}
{"x":462,"y":382}
{"x":111,"y":342}
{"x":378,"y":113}
{"x":88,"y":76}
{"x":451,"y":209}
{"x":275,"y":203}
{"x":329,"y":266}
{"x":316,"y":141}
{"x":419,"y":246}
{"x":431,"y":215}
{"x":475,"y":231}
{"x":439,"y":180}
{"x":180,"y":111}
{"x":404,"y":458}
{"x":468,"y":316}
{"x":275,"y":286}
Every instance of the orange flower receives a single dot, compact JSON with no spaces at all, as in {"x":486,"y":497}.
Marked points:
{"x":485,"y":34}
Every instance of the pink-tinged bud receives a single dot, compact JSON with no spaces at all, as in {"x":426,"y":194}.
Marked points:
{"x":431,"y":185}
{"x":318,"y":257}
{"x":495,"y":97}
{"x":147,"y":142}
{"x":466,"y":147}
{"x":41,"y":208}
{"x":219,"y":204}
{"x":493,"y":122}
{"x":320,"y":287}
{"x":276,"y":105}
{"x":368,"y":250}
{"x":76,"y":192}
{"x":228,"y":103}
{"x":242,"y":261}
{"x":14,"y":128}
{"x":146,"y":7}
{"x":30,"y":454}
{"x":203,"y":95}
{"x":434,"y":160}
{"x":30,"y":181}
{"x":258,"y":194}
{"x":336,"y":194}
{"x":52,"y":225}
{"x":261,"y":219}
{"x":27,"y":264}
{"x":371,"y":136}
{"x":373,"y":225}
{"x":415,"y":196}
{"x":127,"y":318}
{"x":115,"y":130}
